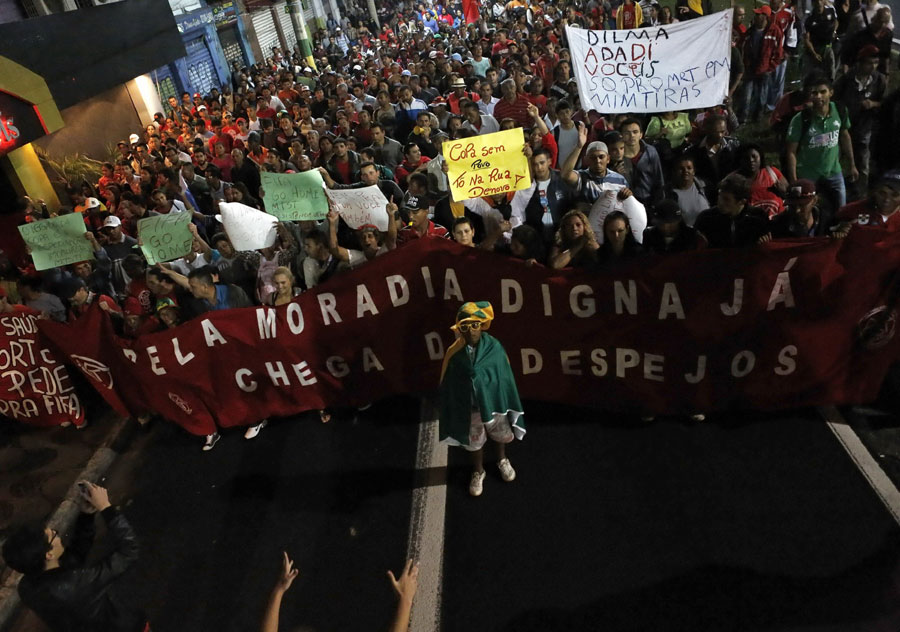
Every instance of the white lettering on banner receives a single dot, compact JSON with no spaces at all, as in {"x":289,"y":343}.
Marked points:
{"x":737,"y":302}
{"x":398,"y":288}
{"x":131,"y":354}
{"x":295,"y":318}
{"x":782,"y":292}
{"x":429,"y":287}
{"x":451,"y":286}
{"x":370,"y":360}
{"x":210,"y":333}
{"x":181,"y":359}
{"x":625,"y":301}
{"x":240,"y":377}
{"x":304,"y":374}
{"x":787,"y":364}
{"x":698,"y":375}
{"x":570,"y":361}
{"x":670,"y":303}
{"x":653,"y":367}
{"x":742,"y":364}
{"x":266,"y":321}
{"x":277,"y":373}
{"x":508,"y":289}
{"x":154,"y":361}
{"x":532,"y":362}
{"x":364,"y":302}
{"x":679,"y":66}
{"x":434,"y":345}
{"x":337,"y":366}
{"x":327,"y":303}
{"x":582,"y":308}
{"x":545,"y":293}
{"x":366,"y":206}
{"x":598,"y":358}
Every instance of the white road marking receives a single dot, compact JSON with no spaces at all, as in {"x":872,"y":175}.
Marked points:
{"x":884,"y":488}
{"x":426,"y":522}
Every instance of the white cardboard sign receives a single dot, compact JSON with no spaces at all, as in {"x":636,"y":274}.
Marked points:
{"x":246,"y":227}
{"x":361,"y":207}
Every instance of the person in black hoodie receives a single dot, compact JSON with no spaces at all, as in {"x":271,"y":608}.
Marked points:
{"x":733,"y":223}
{"x":669,"y":234}
{"x":58,"y":584}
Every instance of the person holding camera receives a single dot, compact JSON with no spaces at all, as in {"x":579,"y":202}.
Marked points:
{"x":60,"y":586}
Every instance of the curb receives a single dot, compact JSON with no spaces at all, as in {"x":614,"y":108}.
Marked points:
{"x":67,"y":511}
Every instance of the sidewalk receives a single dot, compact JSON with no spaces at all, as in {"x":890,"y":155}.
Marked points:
{"x":39,"y":466}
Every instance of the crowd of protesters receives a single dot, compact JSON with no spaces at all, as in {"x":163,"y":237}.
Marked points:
{"x":379,"y":102}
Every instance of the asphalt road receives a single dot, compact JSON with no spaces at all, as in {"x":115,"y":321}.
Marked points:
{"x":750,"y":522}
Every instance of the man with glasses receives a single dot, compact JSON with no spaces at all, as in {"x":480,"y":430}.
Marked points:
{"x":478,"y":394}
{"x":59,"y":585}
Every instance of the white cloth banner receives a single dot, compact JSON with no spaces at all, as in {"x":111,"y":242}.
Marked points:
{"x":361,"y":207}
{"x":679,"y":66}
{"x":246,"y":227}
{"x":609,"y":202}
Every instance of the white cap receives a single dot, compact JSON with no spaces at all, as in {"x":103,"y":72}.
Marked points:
{"x":112,"y":222}
{"x":92,"y":202}
{"x":134,"y":138}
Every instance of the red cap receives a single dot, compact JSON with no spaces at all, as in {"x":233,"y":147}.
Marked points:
{"x":197,"y":95}
{"x":765,"y":9}
{"x":867,"y":51}
{"x":133,"y":307}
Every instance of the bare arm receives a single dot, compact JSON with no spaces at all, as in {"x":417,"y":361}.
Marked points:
{"x":390,"y":240}
{"x":847,"y":153}
{"x":567,"y":172}
{"x":179,"y":279}
{"x":791,"y":162}
{"x":205,"y":250}
{"x":405,"y":587}
{"x":337,"y":251}
{"x":273,"y":608}
{"x":537,"y":119}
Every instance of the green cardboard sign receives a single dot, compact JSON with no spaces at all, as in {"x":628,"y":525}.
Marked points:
{"x":165,"y":237}
{"x":295,"y":196}
{"x":58,"y":241}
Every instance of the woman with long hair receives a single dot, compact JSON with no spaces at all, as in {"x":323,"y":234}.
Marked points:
{"x":285,"y":288}
{"x":576,"y":245}
{"x":619,"y":243}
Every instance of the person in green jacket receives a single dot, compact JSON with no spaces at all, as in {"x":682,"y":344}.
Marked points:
{"x":478,"y":395}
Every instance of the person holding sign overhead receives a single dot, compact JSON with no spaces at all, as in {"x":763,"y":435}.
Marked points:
{"x":588,"y":183}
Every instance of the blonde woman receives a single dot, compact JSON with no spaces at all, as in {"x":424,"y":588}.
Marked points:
{"x":576,"y":245}
{"x":285,"y":289}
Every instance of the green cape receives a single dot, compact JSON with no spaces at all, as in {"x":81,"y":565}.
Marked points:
{"x":495,"y":389}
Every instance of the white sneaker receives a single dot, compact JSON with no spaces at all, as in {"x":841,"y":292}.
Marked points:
{"x":252,"y":431}
{"x":698,"y":417}
{"x":211,"y":441}
{"x":506,"y":470}
{"x":476,"y":485}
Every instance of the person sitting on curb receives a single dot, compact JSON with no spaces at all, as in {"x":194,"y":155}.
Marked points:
{"x":478,"y":395}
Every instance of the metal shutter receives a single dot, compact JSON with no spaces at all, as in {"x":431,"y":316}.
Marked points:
{"x":201,"y":71}
{"x":309,"y":14}
{"x":287,"y":28}
{"x":165,"y":83}
{"x":231,"y":47}
{"x":266,"y":34}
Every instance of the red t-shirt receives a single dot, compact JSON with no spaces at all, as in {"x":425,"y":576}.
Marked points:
{"x":343,"y":168}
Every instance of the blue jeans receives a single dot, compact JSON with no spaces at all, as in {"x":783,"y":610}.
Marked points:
{"x":776,"y":85}
{"x":833,"y":191}
{"x":756,"y":91}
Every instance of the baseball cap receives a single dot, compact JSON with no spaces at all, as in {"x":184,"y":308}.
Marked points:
{"x":891,"y":179}
{"x":802,"y":189}
{"x":201,"y":107}
{"x":406,"y":73}
{"x":134,"y":138}
{"x":70,"y":286}
{"x":414,"y":202}
{"x":667,"y":212}
{"x":437,"y":101}
{"x":765,"y":10}
{"x":867,"y":51}
{"x":165,"y":303}
{"x":111,"y":222}
{"x":197,"y":95}
{"x":132,"y":306}
{"x":91,"y":202}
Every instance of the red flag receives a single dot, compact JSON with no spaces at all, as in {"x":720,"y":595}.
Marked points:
{"x":470,"y":11}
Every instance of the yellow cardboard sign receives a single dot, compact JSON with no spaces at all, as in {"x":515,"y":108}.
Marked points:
{"x":487,"y":165}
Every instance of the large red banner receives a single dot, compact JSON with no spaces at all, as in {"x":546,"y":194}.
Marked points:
{"x":788,"y":324}
{"x":34,"y":387}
